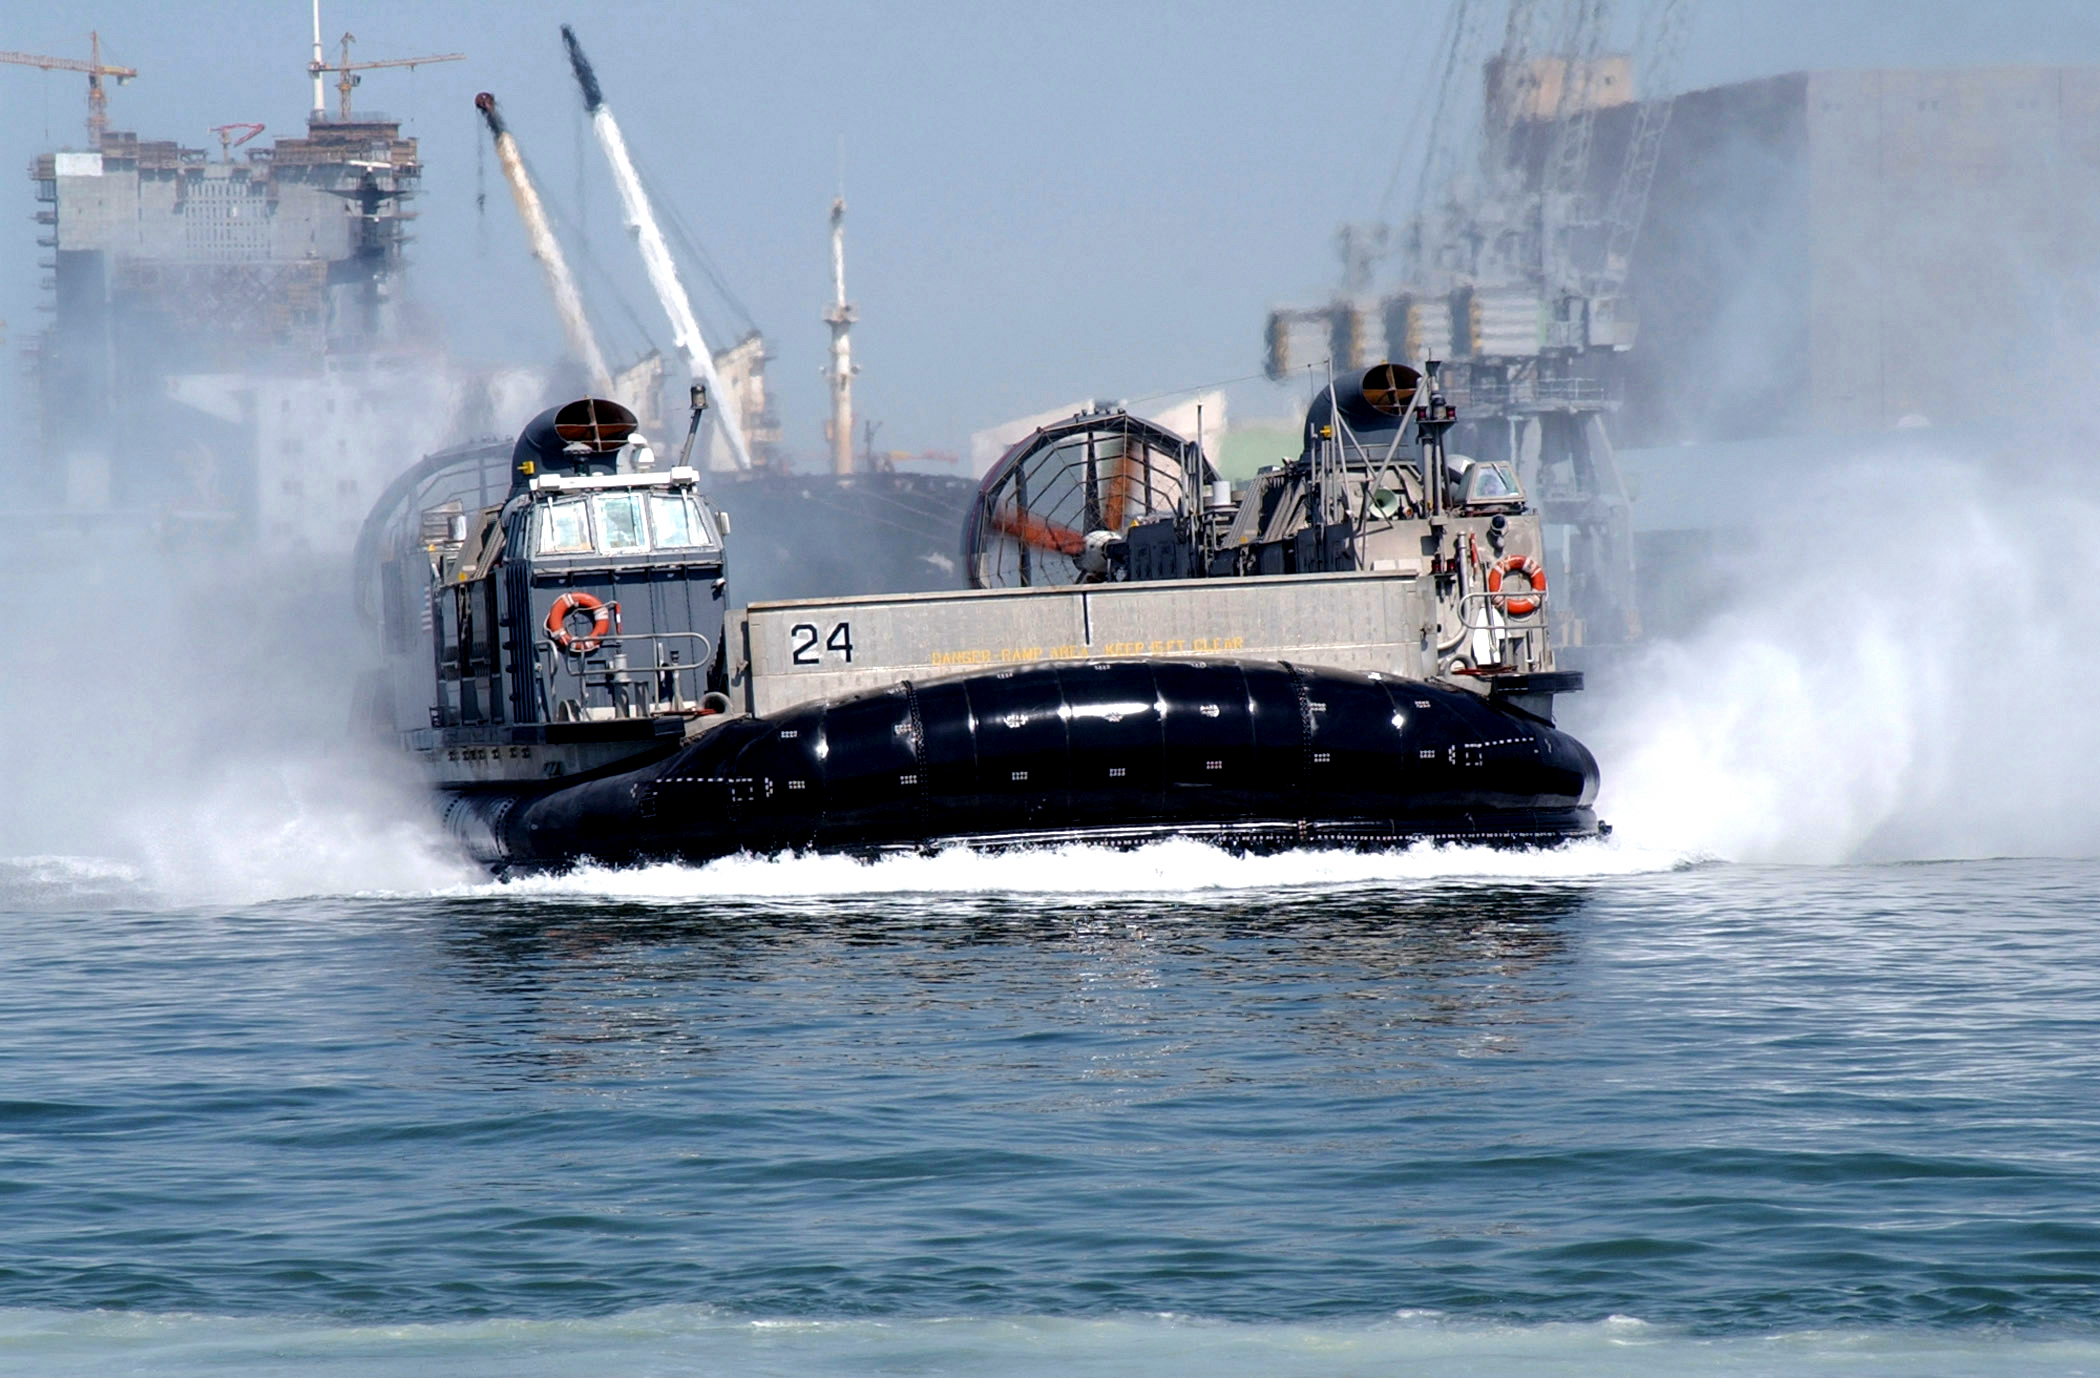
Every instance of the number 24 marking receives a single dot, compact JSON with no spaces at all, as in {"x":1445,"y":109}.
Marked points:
{"x":803,"y":642}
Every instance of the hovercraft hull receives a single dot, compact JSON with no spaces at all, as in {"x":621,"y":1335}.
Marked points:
{"x":1249,"y":755}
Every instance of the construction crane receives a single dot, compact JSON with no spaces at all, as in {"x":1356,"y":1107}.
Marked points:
{"x":96,"y":69}
{"x":227,"y":143}
{"x":346,"y":70}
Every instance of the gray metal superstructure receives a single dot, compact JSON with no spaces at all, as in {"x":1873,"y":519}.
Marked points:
{"x":486,"y":678}
{"x":1375,"y":504}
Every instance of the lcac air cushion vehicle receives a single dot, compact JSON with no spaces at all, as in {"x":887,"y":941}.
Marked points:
{"x":1349,"y":650}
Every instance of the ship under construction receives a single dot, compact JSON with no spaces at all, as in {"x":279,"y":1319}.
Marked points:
{"x":205,"y":310}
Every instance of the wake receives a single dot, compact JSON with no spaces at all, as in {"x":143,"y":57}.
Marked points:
{"x":1157,"y":870}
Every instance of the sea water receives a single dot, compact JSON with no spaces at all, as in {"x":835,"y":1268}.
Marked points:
{"x":1596,"y":1111}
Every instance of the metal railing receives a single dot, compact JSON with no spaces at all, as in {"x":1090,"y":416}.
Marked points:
{"x":1494,"y":639}
{"x":1483,"y":392}
{"x":603,"y":683}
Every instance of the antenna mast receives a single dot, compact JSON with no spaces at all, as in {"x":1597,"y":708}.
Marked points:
{"x":320,"y":101}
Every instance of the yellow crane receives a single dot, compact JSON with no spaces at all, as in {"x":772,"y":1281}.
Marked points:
{"x":345,"y":69}
{"x":96,"y":69}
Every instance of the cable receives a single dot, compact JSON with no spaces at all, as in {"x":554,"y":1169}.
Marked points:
{"x":1200,"y":387}
{"x":690,"y":243}
{"x":1447,"y":40}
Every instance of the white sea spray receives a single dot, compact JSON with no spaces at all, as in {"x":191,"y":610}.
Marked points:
{"x":1895,"y":669}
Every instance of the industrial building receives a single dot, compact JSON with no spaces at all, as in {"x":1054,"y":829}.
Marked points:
{"x":1819,"y":253}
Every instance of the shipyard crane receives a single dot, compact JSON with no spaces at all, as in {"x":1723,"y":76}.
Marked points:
{"x":346,"y":70}
{"x":568,"y":302}
{"x":96,"y":69}
{"x":1515,"y":273}
{"x":1518,"y":267}
{"x":1629,"y":200}
{"x":656,"y":255}
{"x":1564,"y":206}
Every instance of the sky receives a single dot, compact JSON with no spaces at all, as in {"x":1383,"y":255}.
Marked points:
{"x":1045,"y":202}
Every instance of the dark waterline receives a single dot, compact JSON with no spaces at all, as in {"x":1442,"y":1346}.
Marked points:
{"x":1733,"y":1100}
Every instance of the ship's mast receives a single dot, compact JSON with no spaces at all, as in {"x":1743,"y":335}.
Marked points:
{"x":840,"y":317}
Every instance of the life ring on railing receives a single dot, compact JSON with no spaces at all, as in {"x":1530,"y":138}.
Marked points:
{"x":1516,"y":604}
{"x":558,"y":622}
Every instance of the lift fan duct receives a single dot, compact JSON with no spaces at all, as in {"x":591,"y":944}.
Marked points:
{"x":1045,"y":511}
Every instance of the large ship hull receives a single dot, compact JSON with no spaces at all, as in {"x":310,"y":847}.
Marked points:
{"x":1250,"y":755}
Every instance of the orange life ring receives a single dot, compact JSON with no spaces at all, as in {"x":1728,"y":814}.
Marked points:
{"x":558,"y":622}
{"x":1517,"y":605}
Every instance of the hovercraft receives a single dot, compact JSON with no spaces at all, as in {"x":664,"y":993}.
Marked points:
{"x":1353,"y":649}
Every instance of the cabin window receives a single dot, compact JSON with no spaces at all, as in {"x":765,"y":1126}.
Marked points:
{"x":620,"y":522}
{"x":705,"y":531}
{"x":674,"y":522}
{"x":1493,"y":483}
{"x":563,"y":530}
{"x":1490,"y":483}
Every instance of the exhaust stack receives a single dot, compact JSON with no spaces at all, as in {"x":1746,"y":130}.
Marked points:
{"x":656,"y":255}
{"x":568,"y":302}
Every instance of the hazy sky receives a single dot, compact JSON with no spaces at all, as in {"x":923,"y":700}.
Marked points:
{"x":1046,"y":201}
